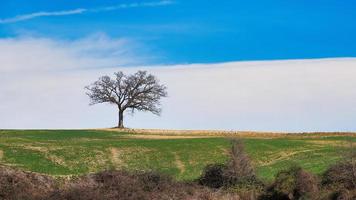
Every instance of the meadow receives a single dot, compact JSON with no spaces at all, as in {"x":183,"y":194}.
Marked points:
{"x":63,"y":153}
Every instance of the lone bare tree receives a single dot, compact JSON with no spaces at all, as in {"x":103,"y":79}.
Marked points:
{"x":140,"y":91}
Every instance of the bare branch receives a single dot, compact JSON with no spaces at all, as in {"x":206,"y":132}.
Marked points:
{"x":140,"y":91}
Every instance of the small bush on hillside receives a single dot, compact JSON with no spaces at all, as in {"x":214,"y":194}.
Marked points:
{"x":239,"y":167}
{"x":19,"y":185}
{"x":341,"y":178}
{"x":240,"y":162}
{"x":237,"y":171}
{"x":294,"y":183}
{"x":213,"y":176}
{"x":344,"y":194}
{"x":342,"y":174}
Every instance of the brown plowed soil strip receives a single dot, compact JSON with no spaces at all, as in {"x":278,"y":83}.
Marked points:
{"x":115,"y":156}
{"x":179,"y":163}
{"x":158,"y":137}
{"x":218,"y":133}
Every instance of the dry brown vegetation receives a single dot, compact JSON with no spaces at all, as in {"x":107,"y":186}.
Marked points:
{"x":16,"y":185}
{"x":107,"y":185}
{"x":238,"y":170}
{"x":294,"y":183}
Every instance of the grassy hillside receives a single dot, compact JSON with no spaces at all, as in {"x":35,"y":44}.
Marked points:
{"x":73,"y":152}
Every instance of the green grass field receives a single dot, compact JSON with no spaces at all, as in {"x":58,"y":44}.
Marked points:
{"x":75,"y":152}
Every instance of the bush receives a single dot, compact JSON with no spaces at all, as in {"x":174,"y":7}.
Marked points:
{"x":295,"y":183}
{"x":340,"y":178}
{"x":342,"y":175}
{"x":20,"y":185}
{"x":240,"y":166}
{"x":109,"y":185}
{"x":213,"y":176}
{"x":344,"y":194}
{"x":237,"y":171}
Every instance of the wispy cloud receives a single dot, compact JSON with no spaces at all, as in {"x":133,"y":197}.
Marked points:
{"x":77,"y":11}
{"x":42,"y":14}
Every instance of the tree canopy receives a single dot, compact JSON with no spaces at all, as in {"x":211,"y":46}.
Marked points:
{"x":139,"y":91}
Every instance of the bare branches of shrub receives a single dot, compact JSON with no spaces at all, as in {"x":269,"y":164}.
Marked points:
{"x":237,"y":171}
{"x":239,"y":166}
{"x":295,"y":183}
{"x":16,"y":185}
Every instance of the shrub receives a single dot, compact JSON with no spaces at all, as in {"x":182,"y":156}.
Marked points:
{"x":342,"y":174}
{"x":112,"y":185}
{"x":237,"y":171}
{"x":239,"y":165}
{"x":20,"y":185}
{"x":341,"y":179}
{"x":295,"y":183}
{"x":213,"y":176}
{"x":344,"y":194}
{"x":218,"y":195}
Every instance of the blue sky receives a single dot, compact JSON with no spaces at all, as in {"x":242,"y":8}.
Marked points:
{"x":200,"y":31}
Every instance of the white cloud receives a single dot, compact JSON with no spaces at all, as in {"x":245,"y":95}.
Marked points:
{"x":41,"y":76}
{"x":77,"y":11}
{"x":42,"y":81}
{"x":38,"y":54}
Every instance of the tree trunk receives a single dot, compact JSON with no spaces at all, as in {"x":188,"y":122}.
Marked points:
{"x":121,"y":119}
